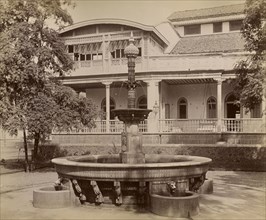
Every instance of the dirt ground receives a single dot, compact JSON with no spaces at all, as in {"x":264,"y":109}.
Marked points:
{"x":237,"y":195}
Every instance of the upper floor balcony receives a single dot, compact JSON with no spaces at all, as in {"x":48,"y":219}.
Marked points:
{"x":157,"y":63}
{"x":103,"y":53}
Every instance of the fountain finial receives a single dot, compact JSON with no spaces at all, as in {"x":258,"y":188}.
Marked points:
{"x":131,"y":39}
{"x":131,"y":50}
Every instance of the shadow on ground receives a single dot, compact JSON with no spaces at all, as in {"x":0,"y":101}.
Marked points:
{"x":244,"y":179}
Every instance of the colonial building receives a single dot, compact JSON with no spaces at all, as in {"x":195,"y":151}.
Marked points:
{"x":185,"y":66}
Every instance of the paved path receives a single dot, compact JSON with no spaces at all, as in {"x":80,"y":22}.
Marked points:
{"x":237,"y":195}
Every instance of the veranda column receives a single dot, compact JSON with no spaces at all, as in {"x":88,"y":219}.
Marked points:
{"x":107,"y":99}
{"x":219,"y":105}
{"x":153,"y":104}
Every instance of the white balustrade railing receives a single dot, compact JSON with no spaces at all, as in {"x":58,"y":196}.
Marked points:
{"x":116,"y":62}
{"x":143,"y":126}
{"x":245,"y":125}
{"x":188,"y":125}
{"x":97,"y":63}
{"x":115,"y":126}
{"x":85,"y":63}
{"x":253,"y":125}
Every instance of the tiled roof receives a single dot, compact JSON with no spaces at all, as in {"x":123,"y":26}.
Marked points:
{"x":226,"y":42}
{"x":207,"y":13}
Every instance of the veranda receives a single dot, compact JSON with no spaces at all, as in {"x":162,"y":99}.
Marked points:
{"x":232,"y":125}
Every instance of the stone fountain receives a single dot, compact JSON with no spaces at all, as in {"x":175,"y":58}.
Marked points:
{"x":131,"y":139}
{"x":132,"y":177}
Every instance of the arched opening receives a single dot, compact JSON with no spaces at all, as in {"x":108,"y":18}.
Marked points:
{"x":182,"y":108}
{"x":232,"y":106}
{"x":211,"y":107}
{"x":142,"y":102}
{"x":112,"y":106}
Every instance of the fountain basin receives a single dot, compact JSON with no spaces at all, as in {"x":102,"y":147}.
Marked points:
{"x":172,"y":206}
{"x":108,"y":168}
{"x":131,"y":114}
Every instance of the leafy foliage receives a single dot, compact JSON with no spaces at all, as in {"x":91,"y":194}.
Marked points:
{"x":50,"y":151}
{"x":31,"y":59}
{"x":252,"y":71}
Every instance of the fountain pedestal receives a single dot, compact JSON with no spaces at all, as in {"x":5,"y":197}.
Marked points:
{"x":131,"y":139}
{"x":133,"y":145}
{"x":132,"y":158}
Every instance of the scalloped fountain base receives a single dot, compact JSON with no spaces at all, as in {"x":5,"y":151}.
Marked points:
{"x":103,"y":179}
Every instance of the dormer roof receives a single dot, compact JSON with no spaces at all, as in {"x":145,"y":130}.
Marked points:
{"x":215,"y":43}
{"x":214,"y":12}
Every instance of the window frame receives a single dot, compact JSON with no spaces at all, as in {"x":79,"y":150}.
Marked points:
{"x":234,"y":22}
{"x":179,"y":104}
{"x":112,"y":106}
{"x":217,"y":25}
{"x":211,"y":101}
{"x":188,"y":29}
{"x":142,"y":105}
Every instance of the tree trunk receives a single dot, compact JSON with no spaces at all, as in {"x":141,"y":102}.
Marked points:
{"x":27,"y":166}
{"x":36,"y":144}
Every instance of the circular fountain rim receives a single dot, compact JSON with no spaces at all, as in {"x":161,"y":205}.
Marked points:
{"x":194,"y":161}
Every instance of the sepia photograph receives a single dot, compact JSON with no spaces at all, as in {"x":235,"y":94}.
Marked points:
{"x":132,"y":109}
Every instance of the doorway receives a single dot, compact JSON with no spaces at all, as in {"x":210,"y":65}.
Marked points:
{"x":232,"y":106}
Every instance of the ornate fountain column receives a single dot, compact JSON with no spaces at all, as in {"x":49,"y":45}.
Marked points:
{"x":132,"y":116}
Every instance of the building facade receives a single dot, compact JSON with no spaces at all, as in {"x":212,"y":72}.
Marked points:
{"x":185,"y":67}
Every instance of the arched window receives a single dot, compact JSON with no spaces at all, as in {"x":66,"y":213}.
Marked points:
{"x":142,"y":102}
{"x":112,"y":106}
{"x":211,"y":108}
{"x":232,"y":106}
{"x":256,"y":111}
{"x":182,"y":108}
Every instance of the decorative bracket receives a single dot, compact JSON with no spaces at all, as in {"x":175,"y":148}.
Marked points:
{"x":142,"y":192}
{"x":196,"y":183}
{"x":118,"y":193}
{"x":123,"y":141}
{"x":76,"y":187}
{"x":99,"y":197}
{"x":58,"y":184}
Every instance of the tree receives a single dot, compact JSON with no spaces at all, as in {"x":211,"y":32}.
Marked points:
{"x":251,"y":71}
{"x":32,"y":56}
{"x":60,"y":109}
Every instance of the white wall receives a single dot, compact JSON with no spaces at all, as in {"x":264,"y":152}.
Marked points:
{"x":118,"y":94}
{"x":226,"y":27}
{"x":154,"y":48}
{"x":207,"y":28}
{"x":196,"y":96}
{"x":180,"y":30}
{"x":170,"y":34}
